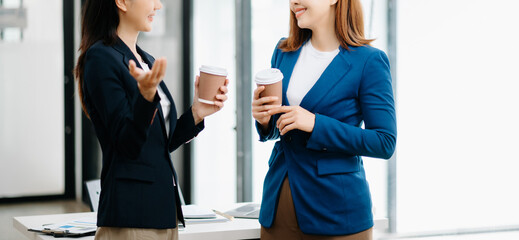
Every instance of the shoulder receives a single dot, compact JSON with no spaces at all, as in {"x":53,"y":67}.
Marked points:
{"x":101,"y":52}
{"x":278,"y":50}
{"x":364,"y":52}
{"x":103,"y":61}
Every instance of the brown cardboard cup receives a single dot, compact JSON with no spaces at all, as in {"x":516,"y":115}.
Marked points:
{"x":211,"y":79}
{"x":272,"y":80}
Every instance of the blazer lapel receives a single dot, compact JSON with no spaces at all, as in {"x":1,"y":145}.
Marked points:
{"x":121,"y":47}
{"x":172,"y":110}
{"x":327,"y":81}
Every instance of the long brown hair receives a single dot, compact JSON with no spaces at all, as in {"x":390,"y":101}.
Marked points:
{"x":99,"y":21}
{"x":349,"y":27}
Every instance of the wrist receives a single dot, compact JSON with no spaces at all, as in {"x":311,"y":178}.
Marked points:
{"x":196,"y":117}
{"x":148,"y":94}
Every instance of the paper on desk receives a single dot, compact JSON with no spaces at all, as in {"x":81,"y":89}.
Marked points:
{"x":194,"y":211}
{"x":217,"y":218}
{"x":78,"y":226}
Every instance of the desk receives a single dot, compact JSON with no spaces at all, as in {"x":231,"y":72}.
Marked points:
{"x":236,"y":229}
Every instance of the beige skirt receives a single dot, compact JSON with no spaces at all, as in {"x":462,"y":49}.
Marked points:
{"x":114,"y":233}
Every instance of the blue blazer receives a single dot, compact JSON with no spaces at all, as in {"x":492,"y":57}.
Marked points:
{"x":325,"y":170}
{"x":138,"y":181}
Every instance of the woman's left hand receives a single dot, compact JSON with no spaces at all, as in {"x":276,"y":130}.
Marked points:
{"x":293,"y":117}
{"x":202,"y":110}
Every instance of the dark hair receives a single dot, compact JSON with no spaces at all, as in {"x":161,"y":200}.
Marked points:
{"x":99,"y":21}
{"x":349,"y":27}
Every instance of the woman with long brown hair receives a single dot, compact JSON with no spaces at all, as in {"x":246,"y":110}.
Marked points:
{"x":334,"y":83}
{"x":134,"y":116}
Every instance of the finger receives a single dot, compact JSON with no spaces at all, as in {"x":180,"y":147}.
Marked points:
{"x":265,"y":100}
{"x":284,"y":120}
{"x":158,"y":70}
{"x":270,"y":99}
{"x":155,"y":71}
{"x":132,"y":65}
{"x":287,"y":128}
{"x":282,"y":109}
{"x":133,"y":69}
{"x":218,"y":104}
{"x":260,"y":115}
{"x":258,"y":91}
{"x":226,"y":82}
{"x":163,"y":68}
{"x":224,"y":89}
{"x":197,"y":83}
{"x":221,"y":97}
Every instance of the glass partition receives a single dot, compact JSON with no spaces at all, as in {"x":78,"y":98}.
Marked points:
{"x":31,"y":98}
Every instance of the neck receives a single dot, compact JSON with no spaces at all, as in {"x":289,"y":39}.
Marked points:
{"x":324,"y":37}
{"x":129,"y":37}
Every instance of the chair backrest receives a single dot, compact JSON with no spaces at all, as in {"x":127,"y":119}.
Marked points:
{"x":94,"y":189}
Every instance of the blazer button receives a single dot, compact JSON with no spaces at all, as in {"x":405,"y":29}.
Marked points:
{"x":289,"y":139}
{"x":325,"y":149}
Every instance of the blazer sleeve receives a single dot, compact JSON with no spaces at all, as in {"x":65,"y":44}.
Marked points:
{"x":185,"y":130}
{"x":126,"y":120}
{"x":378,"y":139}
{"x":272,"y":132}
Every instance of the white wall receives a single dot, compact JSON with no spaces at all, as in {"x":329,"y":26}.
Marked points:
{"x":31,"y":104}
{"x":457,"y":114}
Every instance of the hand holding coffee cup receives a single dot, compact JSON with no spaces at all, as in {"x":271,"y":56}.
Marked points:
{"x":268,"y":94}
{"x":211,"y":79}
{"x":210,"y":92}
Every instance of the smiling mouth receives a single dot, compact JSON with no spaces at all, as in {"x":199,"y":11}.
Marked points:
{"x":150,"y":18}
{"x":299,"y":12}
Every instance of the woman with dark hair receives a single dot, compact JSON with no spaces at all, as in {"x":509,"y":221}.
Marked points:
{"x":334,"y":81}
{"x":134,"y":116}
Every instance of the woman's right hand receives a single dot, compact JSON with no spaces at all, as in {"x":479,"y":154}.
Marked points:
{"x":148,"y":81}
{"x":261,"y":106}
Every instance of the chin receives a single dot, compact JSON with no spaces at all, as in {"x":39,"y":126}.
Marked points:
{"x":302,"y":25}
{"x":147,"y":29}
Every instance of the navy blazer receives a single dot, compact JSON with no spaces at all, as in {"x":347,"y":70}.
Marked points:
{"x":138,"y":181}
{"x":325,"y":170}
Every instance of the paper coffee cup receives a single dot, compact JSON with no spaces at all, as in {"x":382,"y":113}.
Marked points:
{"x":271,"y":79}
{"x":211,"y":79}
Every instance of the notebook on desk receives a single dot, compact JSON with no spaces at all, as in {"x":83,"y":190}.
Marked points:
{"x":250,"y":210}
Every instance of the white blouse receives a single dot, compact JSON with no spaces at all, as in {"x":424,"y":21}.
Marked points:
{"x":309,"y":67}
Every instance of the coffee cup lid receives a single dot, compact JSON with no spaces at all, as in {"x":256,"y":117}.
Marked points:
{"x":268,"y":76}
{"x":213,"y":70}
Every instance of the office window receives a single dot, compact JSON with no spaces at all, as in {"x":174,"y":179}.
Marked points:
{"x":457,"y":114}
{"x":31,"y":102}
{"x":214,"y":152}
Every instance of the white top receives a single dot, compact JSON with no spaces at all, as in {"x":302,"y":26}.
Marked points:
{"x":309,"y":67}
{"x":164,"y":101}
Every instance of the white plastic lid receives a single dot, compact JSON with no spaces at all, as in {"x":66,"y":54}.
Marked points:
{"x":268,"y":76}
{"x":213,"y":70}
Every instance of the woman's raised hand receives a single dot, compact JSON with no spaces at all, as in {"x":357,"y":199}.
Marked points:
{"x":148,"y":81}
